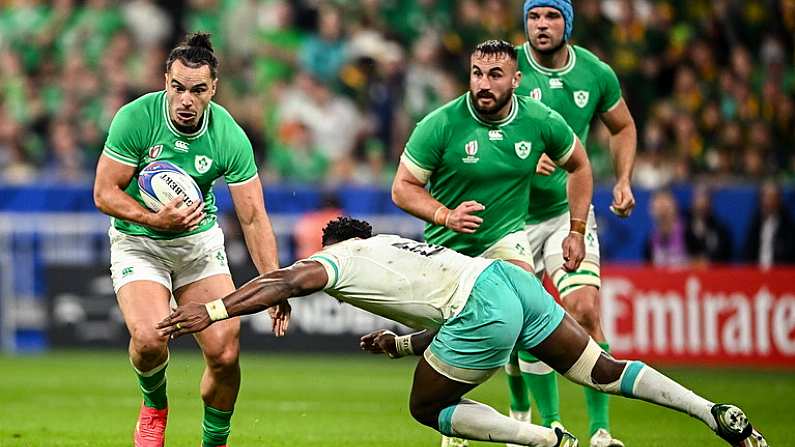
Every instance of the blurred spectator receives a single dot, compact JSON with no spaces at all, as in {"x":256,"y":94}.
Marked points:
{"x":323,"y":52}
{"x":333,"y":121}
{"x":296,"y":159}
{"x":309,"y":228}
{"x":708,"y":240}
{"x":770,"y":240}
{"x":666,"y":245}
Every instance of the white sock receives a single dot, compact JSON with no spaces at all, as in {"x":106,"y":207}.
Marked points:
{"x":473,"y":420}
{"x":652,"y":386}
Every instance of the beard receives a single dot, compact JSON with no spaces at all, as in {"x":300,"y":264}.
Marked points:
{"x":499,"y":103}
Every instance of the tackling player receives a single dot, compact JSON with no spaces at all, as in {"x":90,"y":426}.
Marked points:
{"x":575,"y":83}
{"x":179,"y":250}
{"x":472,"y":312}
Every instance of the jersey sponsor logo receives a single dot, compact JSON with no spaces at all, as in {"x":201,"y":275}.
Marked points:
{"x":155,"y":151}
{"x":555,"y":83}
{"x":536,"y":94}
{"x":202,"y":163}
{"x":471,"y":149}
{"x":581,"y":98}
{"x":181,"y":146}
{"x":522,"y":149}
{"x":495,"y":135}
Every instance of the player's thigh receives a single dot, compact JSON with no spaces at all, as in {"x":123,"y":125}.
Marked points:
{"x":537,"y":235}
{"x":513,"y":248}
{"x":563,"y":346}
{"x":143,"y":304}
{"x":219,"y":342}
{"x":142,"y":282}
{"x":588,"y":274}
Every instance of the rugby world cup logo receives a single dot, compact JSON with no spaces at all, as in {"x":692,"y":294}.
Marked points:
{"x":155,"y":151}
{"x":536,"y":94}
{"x":471,"y":149}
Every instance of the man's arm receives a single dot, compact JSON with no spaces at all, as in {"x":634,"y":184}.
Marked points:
{"x":267,"y":290}
{"x":410,"y":195}
{"x":579,"y":189}
{"x":109,"y":197}
{"x":256,"y":226}
{"x":622,"y":143}
{"x":387,"y":342}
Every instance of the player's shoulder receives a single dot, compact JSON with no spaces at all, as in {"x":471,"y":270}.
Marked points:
{"x":223,"y":121}
{"x":531,"y":108}
{"x":589,"y":61}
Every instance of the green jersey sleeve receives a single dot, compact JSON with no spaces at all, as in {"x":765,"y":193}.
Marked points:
{"x":558,"y":138}
{"x":611,"y":89}
{"x":126,"y":140}
{"x":424,"y":149}
{"x":240,"y":165}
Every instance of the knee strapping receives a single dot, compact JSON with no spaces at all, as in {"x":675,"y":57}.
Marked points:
{"x":581,"y":371}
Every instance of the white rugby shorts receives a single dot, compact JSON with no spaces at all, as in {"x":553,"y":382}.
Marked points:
{"x":172,"y":263}
{"x":546,"y":243}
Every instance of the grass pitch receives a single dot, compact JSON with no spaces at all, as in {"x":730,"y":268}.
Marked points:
{"x":91,"y":399}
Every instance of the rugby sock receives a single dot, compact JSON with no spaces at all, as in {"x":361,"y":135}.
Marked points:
{"x":473,"y":420}
{"x":597,"y":404}
{"x":215,"y":426}
{"x":153,"y":386}
{"x":520,"y":400}
{"x":543,"y":384}
{"x":643,"y":382}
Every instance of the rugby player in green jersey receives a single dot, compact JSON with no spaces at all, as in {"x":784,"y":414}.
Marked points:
{"x":471,"y":313}
{"x":179,"y":250}
{"x":477,"y":154}
{"x":575,"y":83}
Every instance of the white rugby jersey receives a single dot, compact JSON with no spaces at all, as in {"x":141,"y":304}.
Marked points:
{"x":410,"y":282}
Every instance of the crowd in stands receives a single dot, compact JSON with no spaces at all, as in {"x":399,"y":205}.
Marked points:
{"x":329,"y":90}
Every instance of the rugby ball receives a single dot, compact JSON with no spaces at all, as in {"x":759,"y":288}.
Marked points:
{"x":160,"y":182}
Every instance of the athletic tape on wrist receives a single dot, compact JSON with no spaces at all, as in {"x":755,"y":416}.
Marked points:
{"x":403,"y":346}
{"x":217,"y":310}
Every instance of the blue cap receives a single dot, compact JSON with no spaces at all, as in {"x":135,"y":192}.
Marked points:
{"x":564,"y":6}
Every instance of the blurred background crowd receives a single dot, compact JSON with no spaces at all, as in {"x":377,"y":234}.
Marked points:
{"x":328,"y":91}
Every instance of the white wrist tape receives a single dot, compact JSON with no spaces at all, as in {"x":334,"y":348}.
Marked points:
{"x":217,"y":310}
{"x":403,"y":346}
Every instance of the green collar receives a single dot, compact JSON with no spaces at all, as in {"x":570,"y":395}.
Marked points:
{"x":175,"y":131}
{"x":550,"y":71}
{"x":503,"y":122}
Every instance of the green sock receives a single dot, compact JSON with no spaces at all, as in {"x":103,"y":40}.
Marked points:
{"x":597,"y":403}
{"x":520,"y":399}
{"x":153,"y":386}
{"x":543,"y":385}
{"x":215,"y":426}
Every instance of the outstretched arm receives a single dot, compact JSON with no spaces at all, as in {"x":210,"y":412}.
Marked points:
{"x":262,"y":292}
{"x":394,"y":346}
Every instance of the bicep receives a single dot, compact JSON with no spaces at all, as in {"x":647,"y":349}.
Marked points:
{"x":307,"y":277}
{"x":617,"y":118}
{"x":577,"y":159}
{"x":112,"y":173}
{"x":247,"y":199}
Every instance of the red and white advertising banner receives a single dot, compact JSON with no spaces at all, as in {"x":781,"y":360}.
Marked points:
{"x":718,"y":316}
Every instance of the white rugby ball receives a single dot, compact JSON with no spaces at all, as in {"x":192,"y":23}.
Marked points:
{"x":160,"y":182}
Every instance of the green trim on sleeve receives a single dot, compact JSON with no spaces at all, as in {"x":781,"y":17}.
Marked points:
{"x":326,"y":260}
{"x":120,"y":158}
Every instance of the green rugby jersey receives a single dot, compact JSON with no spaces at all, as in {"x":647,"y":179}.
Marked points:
{"x":582,"y":88}
{"x":142,"y":132}
{"x":467,"y":158}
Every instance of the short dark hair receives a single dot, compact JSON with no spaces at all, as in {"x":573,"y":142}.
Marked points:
{"x":495,"y":48}
{"x":344,"y":228}
{"x":196,"y":50}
